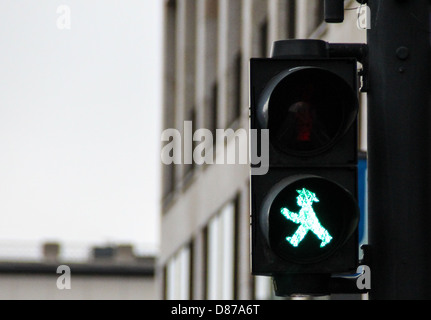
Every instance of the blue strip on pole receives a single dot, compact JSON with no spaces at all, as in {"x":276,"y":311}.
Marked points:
{"x":362,"y":199}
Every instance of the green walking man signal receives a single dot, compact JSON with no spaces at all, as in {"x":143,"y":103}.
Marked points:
{"x":307,"y":219}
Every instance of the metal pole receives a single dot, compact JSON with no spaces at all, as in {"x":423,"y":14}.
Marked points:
{"x":399,"y":149}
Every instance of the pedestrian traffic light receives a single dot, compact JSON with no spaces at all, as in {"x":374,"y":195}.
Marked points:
{"x":304,"y":210}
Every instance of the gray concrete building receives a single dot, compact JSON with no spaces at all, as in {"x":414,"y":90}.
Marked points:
{"x":205,"y":218}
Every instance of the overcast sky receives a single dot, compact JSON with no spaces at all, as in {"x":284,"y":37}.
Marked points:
{"x":79,"y":120}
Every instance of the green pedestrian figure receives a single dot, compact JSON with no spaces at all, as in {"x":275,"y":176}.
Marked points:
{"x":307,"y":219}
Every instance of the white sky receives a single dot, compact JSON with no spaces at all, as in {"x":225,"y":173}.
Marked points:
{"x":79,"y":121}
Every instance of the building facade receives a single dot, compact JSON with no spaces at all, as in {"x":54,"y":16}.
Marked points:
{"x":205,"y":218}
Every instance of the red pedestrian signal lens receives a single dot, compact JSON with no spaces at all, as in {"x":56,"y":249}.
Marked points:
{"x":309,"y":110}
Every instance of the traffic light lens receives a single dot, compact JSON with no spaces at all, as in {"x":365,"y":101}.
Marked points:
{"x":309,"y":218}
{"x":309,"y":110}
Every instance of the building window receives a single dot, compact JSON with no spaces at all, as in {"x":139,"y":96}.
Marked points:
{"x":188,"y":168}
{"x":170,"y":43}
{"x":205,"y":263}
{"x":189,"y":58}
{"x":234,"y":110}
{"x":213,"y":110}
{"x":209,"y":65}
{"x":191,"y":270}
{"x":178,"y":276}
{"x":263,"y":38}
{"x":237,"y":84}
{"x":168,"y":178}
{"x":319,"y":14}
{"x":221,"y":255}
{"x":236,"y":243}
{"x":312,"y":17}
{"x":291,"y":19}
{"x":233,"y":32}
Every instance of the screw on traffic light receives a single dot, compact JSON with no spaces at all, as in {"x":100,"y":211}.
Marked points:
{"x":304,"y":210}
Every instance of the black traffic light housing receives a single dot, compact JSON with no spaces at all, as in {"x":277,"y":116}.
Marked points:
{"x":309,"y":103}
